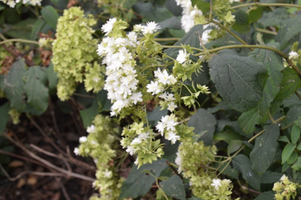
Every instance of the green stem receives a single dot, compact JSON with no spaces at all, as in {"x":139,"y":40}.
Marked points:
{"x":180,"y":47}
{"x":161,"y":189}
{"x":229,"y":31}
{"x":266,"y":4}
{"x":265,"y":31}
{"x":20,"y":40}
{"x":166,"y":39}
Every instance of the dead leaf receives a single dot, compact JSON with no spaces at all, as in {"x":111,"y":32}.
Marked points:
{"x":21,"y":182}
{"x":16,"y":163}
{"x":32,"y":180}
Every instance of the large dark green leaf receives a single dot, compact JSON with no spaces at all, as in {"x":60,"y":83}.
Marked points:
{"x":237,"y":79}
{"x":155,"y":116}
{"x":35,"y":89}
{"x":290,"y":83}
{"x":270,"y":177}
{"x":204,"y":124}
{"x":172,"y":6}
{"x":191,"y":38}
{"x":151,"y":13}
{"x":173,"y":22}
{"x":274,"y":18}
{"x":204,"y":6}
{"x":138,"y":182}
{"x":50,"y":15}
{"x":288,"y":31}
{"x":13,"y":85}
{"x":241,"y":21}
{"x":4,"y":116}
{"x":264,"y":151}
{"x":89,"y":114}
{"x":174,"y":187}
{"x":272,"y":62}
{"x":243,"y":164}
{"x":266,"y":196}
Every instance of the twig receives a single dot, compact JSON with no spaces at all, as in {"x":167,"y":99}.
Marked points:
{"x":72,"y":174}
{"x":46,"y":136}
{"x":63,"y":189}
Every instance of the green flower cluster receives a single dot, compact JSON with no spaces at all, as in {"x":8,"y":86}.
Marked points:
{"x":140,"y":140}
{"x":194,"y":159}
{"x":74,"y":50}
{"x":285,"y":189}
{"x":100,"y":145}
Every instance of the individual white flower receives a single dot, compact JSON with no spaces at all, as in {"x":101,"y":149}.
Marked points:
{"x":130,"y":150}
{"x":154,"y":87}
{"x":164,"y":77}
{"x":172,"y":136}
{"x":108,"y":173}
{"x":182,"y":56}
{"x":91,"y":129}
{"x":108,"y":27}
{"x":151,"y":27}
{"x":171,"y":106}
{"x":136,"y":141}
{"x":216,"y":183}
{"x":164,"y":95}
{"x":138,"y":27}
{"x":76,"y":151}
{"x":293,"y":55}
{"x":160,"y":127}
{"x":83,"y":139}
{"x":136,"y":97}
{"x":143,"y":136}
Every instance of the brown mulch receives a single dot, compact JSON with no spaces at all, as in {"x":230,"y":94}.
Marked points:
{"x":51,"y":137}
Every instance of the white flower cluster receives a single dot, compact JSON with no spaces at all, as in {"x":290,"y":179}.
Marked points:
{"x":150,"y":28}
{"x":217,"y":183}
{"x":167,"y":126}
{"x":13,"y":3}
{"x":162,"y":79}
{"x":179,"y":161}
{"x":121,"y":82}
{"x":189,"y":13}
{"x":131,"y":149}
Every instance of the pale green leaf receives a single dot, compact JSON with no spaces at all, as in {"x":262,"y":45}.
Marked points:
{"x":295,"y":134}
{"x":234,"y":146}
{"x":266,"y":196}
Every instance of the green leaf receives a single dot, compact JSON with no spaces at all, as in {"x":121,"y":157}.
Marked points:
{"x":243,"y":164}
{"x":4,"y":116}
{"x":89,"y":114}
{"x":237,"y":79}
{"x":290,"y":29}
{"x":270,"y":177}
{"x":228,"y":171}
{"x":190,"y":38}
{"x":297,"y":165}
{"x":292,"y":158}
{"x":174,"y":187}
{"x":173,"y":22}
{"x":292,"y":115}
{"x":255,"y":14}
{"x":295,"y":134}
{"x":13,"y":85}
{"x":138,"y":183}
{"x":248,"y":120}
{"x":241,"y":21}
{"x":233,"y":146}
{"x":151,"y":13}
{"x":273,"y":63}
{"x":287,"y":152}
{"x":290,"y":83}
{"x":50,"y":15}
{"x":202,"y":5}
{"x":35,"y":89}
{"x":284,"y":139}
{"x":274,"y":18}
{"x":52,"y":77}
{"x":37,"y":27}
{"x":264,"y":151}
{"x":104,"y":102}
{"x":299,"y":147}
{"x":227,"y":136}
{"x":172,"y":6}
{"x":298,"y":122}
{"x":266,"y":195}
{"x":204,"y":124}
{"x":22,"y":29}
